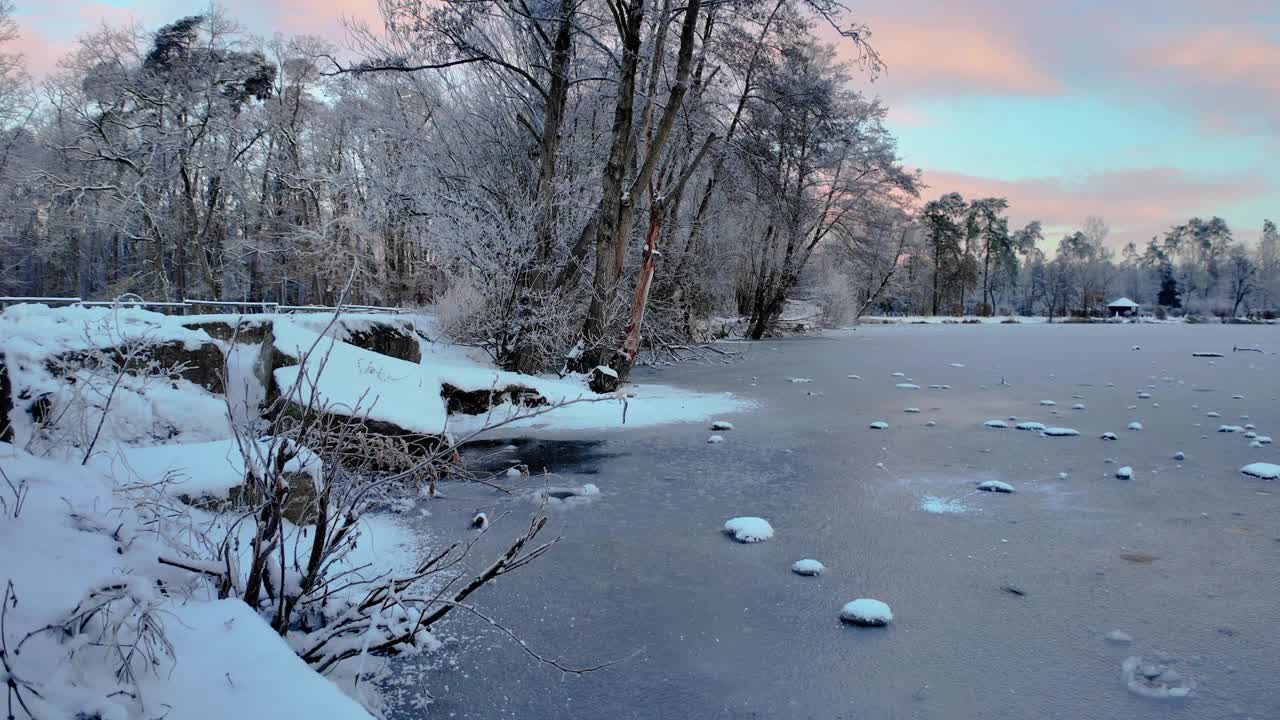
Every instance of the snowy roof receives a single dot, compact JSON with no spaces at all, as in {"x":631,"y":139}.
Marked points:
{"x":1123,"y":302}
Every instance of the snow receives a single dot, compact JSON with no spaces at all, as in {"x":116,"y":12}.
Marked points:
{"x":1152,"y":680}
{"x":1119,"y":637}
{"x":907,"y":386}
{"x":1060,"y":432}
{"x":1135,"y":425}
{"x":995,"y":486}
{"x":1048,"y":403}
{"x":854,"y":377}
{"x":1030,"y":426}
{"x":75,"y":534}
{"x":996,"y":424}
{"x":808,"y":567}
{"x":606,"y":370}
{"x":1108,"y":436}
{"x":722,"y":425}
{"x":408,"y":394}
{"x":715,"y":439}
{"x":749,"y":529}
{"x":866,"y":612}
{"x":879,"y":425}
{"x":1124,"y":473}
{"x":231,"y":664}
{"x":1265,"y":471}
{"x":942,"y":506}
{"x":1230,"y":429}
{"x":1206,"y":354}
{"x":912,"y":410}
{"x":207,"y":469}
{"x":1078,"y":406}
{"x":1123,"y":302}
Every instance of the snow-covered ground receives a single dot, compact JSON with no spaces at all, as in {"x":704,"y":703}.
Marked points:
{"x":102,"y":465}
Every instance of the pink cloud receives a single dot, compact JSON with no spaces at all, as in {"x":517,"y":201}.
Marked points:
{"x":955,"y":58}
{"x":1136,"y":203}
{"x":1222,"y":56}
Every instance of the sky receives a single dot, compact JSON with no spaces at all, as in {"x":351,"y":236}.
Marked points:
{"x":1142,"y":112}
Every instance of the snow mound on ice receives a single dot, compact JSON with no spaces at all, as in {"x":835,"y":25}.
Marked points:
{"x":808,"y":567}
{"x":907,"y":386}
{"x":995,"y":486}
{"x":1048,"y":403}
{"x":722,"y":425}
{"x":1060,"y":432}
{"x":866,"y":612}
{"x":1153,"y":680}
{"x":1028,"y":425}
{"x":995,"y":424}
{"x":1124,"y":473}
{"x":1135,"y":425}
{"x":1266,"y":471}
{"x":749,"y":529}
{"x":879,"y":425}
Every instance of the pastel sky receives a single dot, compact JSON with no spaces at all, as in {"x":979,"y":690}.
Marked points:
{"x":1144,"y":112}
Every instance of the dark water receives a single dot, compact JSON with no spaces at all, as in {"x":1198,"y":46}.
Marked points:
{"x":1184,"y":557}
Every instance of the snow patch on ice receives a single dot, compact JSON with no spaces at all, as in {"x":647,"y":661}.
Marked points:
{"x":866,"y":612}
{"x":1265,"y":471}
{"x":749,"y":529}
{"x":808,"y":567}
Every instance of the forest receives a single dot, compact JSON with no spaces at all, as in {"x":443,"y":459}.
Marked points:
{"x":556,"y":178}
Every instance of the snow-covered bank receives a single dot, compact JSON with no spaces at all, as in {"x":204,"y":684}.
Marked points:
{"x":136,"y":477}
{"x":116,"y":632}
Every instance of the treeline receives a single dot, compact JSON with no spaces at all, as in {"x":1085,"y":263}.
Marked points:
{"x":958,"y":257}
{"x":554,"y":176}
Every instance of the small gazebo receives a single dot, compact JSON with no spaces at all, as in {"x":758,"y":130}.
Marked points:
{"x":1122,"y":307}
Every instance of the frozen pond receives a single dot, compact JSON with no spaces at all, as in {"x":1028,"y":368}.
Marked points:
{"x":1002,"y":602}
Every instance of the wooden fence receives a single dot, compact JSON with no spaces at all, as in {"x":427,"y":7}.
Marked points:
{"x":192,"y":306}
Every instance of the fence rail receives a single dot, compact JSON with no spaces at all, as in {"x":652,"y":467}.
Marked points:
{"x":188,"y":306}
